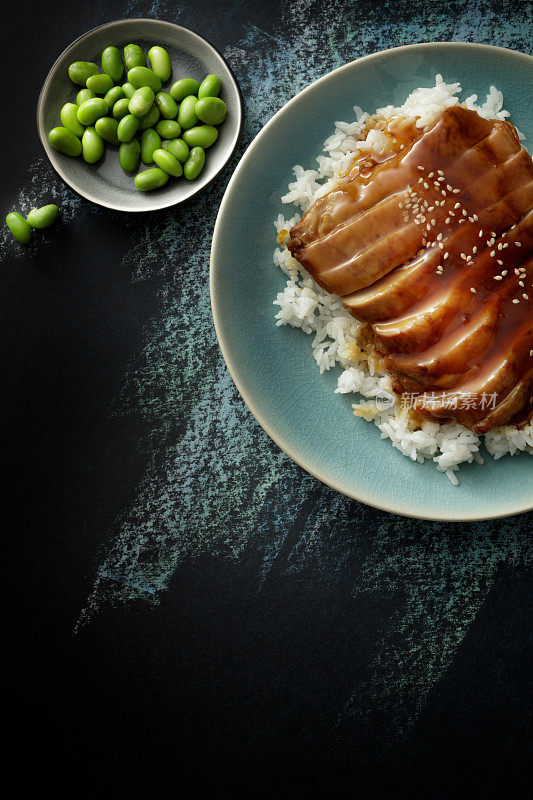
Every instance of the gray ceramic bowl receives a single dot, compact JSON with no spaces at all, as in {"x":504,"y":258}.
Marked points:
{"x":106,"y":183}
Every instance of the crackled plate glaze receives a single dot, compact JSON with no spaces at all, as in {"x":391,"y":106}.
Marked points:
{"x":273,"y":367}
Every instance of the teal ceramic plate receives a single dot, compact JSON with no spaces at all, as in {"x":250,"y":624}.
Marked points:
{"x":273,"y":367}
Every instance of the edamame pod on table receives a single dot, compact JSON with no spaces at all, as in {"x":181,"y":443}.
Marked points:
{"x":150,"y":141}
{"x":69,"y":119}
{"x":99,"y":84}
{"x":127,"y":128}
{"x":112,"y":63}
{"x":92,"y":146}
{"x":194,"y":164}
{"x":142,"y":101}
{"x":167,"y":162}
{"x":186,"y":115}
{"x":183,"y":88}
{"x":128,"y":90}
{"x":166,"y":105}
{"x":83,"y":95}
{"x":149,"y":179}
{"x":150,"y":119}
{"x":134,"y":56}
{"x":107,"y":128}
{"x":19,"y":227}
{"x":160,"y":62}
{"x":142,"y":76}
{"x":211,"y":110}
{"x":121,"y":108}
{"x":201,"y":136}
{"x":91,"y":110}
{"x":128,"y":155}
{"x":65,"y":141}
{"x":178,"y":148}
{"x":168,"y":128}
{"x":43,"y":217}
{"x":113,"y":96}
{"x":209,"y":87}
{"x":79,"y":71}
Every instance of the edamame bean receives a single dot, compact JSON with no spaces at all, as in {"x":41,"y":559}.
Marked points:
{"x":134,"y":56}
{"x":92,"y":145}
{"x":177,"y":148}
{"x":112,"y":63}
{"x":150,"y":141}
{"x":201,"y":136}
{"x":168,"y":128}
{"x":121,"y":108}
{"x":166,"y":105}
{"x":168,"y":163}
{"x":141,"y":102}
{"x":64,"y":140}
{"x":194,"y":164}
{"x":127,"y":128}
{"x":92,"y":110}
{"x":113,"y":96}
{"x":183,"y":88}
{"x":211,"y":110}
{"x":128,"y":155}
{"x":83,"y":95}
{"x":69,"y":119}
{"x":43,"y":217}
{"x":149,"y":179}
{"x":107,"y":128}
{"x":79,"y":71}
{"x":160,"y":62}
{"x":142,"y":76}
{"x":128,"y":90}
{"x":19,"y":227}
{"x":99,"y":84}
{"x":186,"y":115}
{"x":209,"y":87}
{"x":150,"y":119}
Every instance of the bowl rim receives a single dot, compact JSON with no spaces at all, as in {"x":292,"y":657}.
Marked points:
{"x":217,"y":309}
{"x":164,"y":204}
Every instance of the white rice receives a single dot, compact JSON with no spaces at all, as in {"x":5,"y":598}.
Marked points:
{"x":303,"y":304}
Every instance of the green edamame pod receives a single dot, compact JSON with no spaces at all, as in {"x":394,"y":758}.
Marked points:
{"x":43,"y":217}
{"x":92,"y":146}
{"x":91,"y":110}
{"x":99,"y":84}
{"x":168,"y":128}
{"x":201,"y":136}
{"x":134,"y":56}
{"x":194,"y":164}
{"x":127,"y":128}
{"x":166,"y":105}
{"x":142,"y":76}
{"x":150,"y":141}
{"x":168,"y":163}
{"x":211,"y":110}
{"x":128,"y":90}
{"x":19,"y":227}
{"x":142,"y":101}
{"x":112,"y":63}
{"x":83,"y":95}
{"x":186,"y":115}
{"x":150,"y":119}
{"x":128,"y":155}
{"x":69,"y":119}
{"x":153,"y":178}
{"x":209,"y":87}
{"x":79,"y":71}
{"x":160,"y":62}
{"x":107,"y":128}
{"x":177,"y":148}
{"x":113,"y":96}
{"x":64,"y":140}
{"x":121,"y":108}
{"x":183,"y":88}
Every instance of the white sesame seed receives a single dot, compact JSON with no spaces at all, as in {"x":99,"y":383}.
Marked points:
{"x":518,"y":244}
{"x":463,"y":256}
{"x":449,"y":187}
{"x":400,"y":205}
{"x":419,"y":167}
{"x":446,"y":255}
{"x":472,"y":290}
{"x":500,"y":246}
{"x":452,"y":213}
{"x":498,"y":278}
{"x":504,"y":272}
{"x":521,"y":283}
{"x":439,"y":237}
{"x":516,"y":301}
{"x":443,"y":193}
{"x":464,"y":213}
{"x":441,"y":246}
{"x":474,"y":249}
{"x":504,"y":245}
{"x":456,"y":191}
{"x":525,"y":296}
{"x":457,"y":205}
{"x":480,"y":234}
{"x":440,"y":172}
{"x":492,"y":253}
{"x":447,"y":221}
{"x":499,"y":262}
{"x":426,"y":185}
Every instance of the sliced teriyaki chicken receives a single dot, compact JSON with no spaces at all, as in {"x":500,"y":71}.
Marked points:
{"x":433,"y":249}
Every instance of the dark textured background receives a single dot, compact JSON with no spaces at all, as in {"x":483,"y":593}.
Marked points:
{"x":183,"y":604}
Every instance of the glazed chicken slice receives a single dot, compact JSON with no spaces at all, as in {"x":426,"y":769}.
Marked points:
{"x":433,"y":249}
